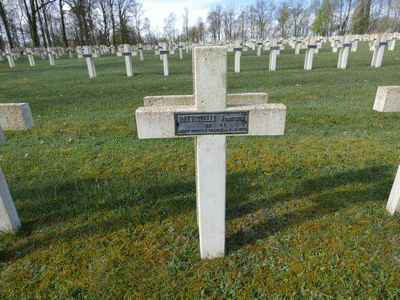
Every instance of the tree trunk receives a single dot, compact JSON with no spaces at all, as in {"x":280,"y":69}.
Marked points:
{"x":6,"y":25}
{"x":64,"y":35}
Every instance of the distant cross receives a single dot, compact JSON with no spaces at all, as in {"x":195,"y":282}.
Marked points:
{"x":180,"y":51}
{"x":274,"y":51}
{"x":89,"y":54}
{"x":238,"y":53}
{"x":344,"y":51}
{"x":69,"y":49}
{"x":378,"y":46}
{"x":140,"y":49}
{"x":310,"y":46}
{"x":125,"y":50}
{"x":10,"y":58}
{"x":51,"y":56}
{"x":29,"y":53}
{"x":259,"y":47}
{"x":164,"y":56}
{"x":207,"y":117}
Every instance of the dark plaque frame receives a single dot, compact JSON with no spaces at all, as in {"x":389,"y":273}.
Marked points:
{"x":211,"y":123}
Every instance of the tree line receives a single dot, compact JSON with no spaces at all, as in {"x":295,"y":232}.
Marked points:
{"x":49,"y":23}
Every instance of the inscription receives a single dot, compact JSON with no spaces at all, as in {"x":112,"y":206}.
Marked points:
{"x":211,"y":123}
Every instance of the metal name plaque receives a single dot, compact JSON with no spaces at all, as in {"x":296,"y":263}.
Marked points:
{"x":211,"y":123}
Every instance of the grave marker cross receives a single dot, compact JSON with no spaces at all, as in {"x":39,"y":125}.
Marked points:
{"x":210,"y":119}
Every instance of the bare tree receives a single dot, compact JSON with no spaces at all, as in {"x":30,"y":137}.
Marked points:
{"x":214,"y":19}
{"x":138,"y":13}
{"x":228,"y":18}
{"x":186,"y":23}
{"x":263,"y":17}
{"x":169,"y":26}
{"x":4,"y":18}
{"x":283,"y":19}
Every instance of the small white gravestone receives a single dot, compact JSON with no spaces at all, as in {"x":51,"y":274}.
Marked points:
{"x":388,"y":100}
{"x":89,"y":54}
{"x":378,"y":46}
{"x":10,"y":58}
{"x":164,"y":56}
{"x":125,"y":50}
{"x":344,"y":52}
{"x":310,"y":46}
{"x":209,"y":118}
{"x":13,"y":116}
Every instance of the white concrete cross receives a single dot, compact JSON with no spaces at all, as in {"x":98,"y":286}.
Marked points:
{"x":388,"y":100}
{"x":209,"y":117}
{"x":378,"y":46}
{"x":354,"y":42}
{"x":392,"y":40}
{"x":13,"y":116}
{"x":69,"y":49}
{"x":274,"y":52}
{"x":140,"y":49}
{"x":298,"y":45}
{"x":180,"y":47}
{"x":344,"y":52}
{"x":89,"y":54}
{"x":164,"y":56}
{"x":10,"y":58}
{"x":28,"y":52}
{"x":259,"y":47}
{"x":310,"y":46}
{"x":238,"y":53}
{"x":41,"y":53}
{"x":125,"y":50}
{"x":335,"y":41}
{"x":51,"y":56}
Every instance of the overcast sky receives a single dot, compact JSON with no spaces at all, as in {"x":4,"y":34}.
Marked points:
{"x":158,"y":10}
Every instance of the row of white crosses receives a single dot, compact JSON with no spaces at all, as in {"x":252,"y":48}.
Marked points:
{"x":13,"y":116}
{"x":209,"y":116}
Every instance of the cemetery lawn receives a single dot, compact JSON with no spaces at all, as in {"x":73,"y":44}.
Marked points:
{"x":107,"y":216}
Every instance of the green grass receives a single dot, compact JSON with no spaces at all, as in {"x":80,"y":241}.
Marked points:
{"x":105,"y":215}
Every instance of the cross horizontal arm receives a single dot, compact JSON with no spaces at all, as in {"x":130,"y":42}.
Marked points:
{"x":158,"y":121}
{"x":178,"y":100}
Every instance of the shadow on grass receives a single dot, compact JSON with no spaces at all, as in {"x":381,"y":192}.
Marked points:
{"x":328,"y":193}
{"x":85,"y":205}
